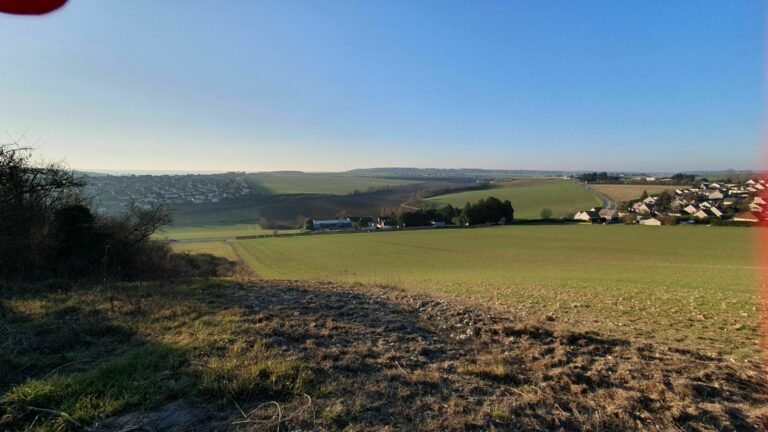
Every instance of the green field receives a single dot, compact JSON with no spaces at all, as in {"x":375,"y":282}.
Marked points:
{"x":692,"y":285}
{"x":529,"y":197}
{"x":317,"y":183}
{"x":215,"y":231}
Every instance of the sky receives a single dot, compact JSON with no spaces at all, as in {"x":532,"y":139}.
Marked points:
{"x":618,"y":85}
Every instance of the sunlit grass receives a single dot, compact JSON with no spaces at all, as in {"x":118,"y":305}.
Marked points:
{"x":529,"y":197}
{"x":693,"y":285}
{"x":86,"y":357}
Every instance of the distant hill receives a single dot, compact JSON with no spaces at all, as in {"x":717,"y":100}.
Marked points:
{"x":450,"y":172}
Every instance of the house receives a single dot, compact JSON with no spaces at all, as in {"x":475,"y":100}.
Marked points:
{"x":650,"y":200}
{"x":759,"y":187}
{"x":716,"y":195}
{"x":716,"y":212}
{"x":690,"y":210}
{"x":758,"y":200}
{"x":608,"y":215}
{"x":363,"y":222}
{"x":650,"y":221}
{"x":628,"y":218}
{"x":753,"y":207}
{"x":701,"y":214}
{"x":332,"y":224}
{"x":641,"y":207}
{"x":714,"y":186}
{"x":587,"y":216}
{"x":746,"y":217}
{"x":751,"y":182}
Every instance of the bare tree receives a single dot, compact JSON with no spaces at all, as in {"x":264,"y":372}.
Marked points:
{"x":30,"y":194}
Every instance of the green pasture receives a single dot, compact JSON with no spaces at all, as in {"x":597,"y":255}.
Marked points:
{"x":529,"y":197}
{"x":317,"y":183}
{"x":692,"y":285}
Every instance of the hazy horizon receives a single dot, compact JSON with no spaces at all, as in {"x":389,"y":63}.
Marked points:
{"x":209,"y":172}
{"x":334,"y":86}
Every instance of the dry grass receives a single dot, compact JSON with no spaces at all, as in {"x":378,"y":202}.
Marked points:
{"x":394,"y":360}
{"x":285,"y":355}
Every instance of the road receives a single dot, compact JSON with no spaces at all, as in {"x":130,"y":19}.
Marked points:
{"x":607,"y":202}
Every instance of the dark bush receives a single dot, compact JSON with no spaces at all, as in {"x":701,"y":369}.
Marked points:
{"x":47,"y":229}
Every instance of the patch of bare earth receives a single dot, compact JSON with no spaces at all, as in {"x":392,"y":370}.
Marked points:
{"x":390,"y":360}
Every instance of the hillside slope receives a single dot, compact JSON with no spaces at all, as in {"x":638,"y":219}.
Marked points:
{"x":284,"y":355}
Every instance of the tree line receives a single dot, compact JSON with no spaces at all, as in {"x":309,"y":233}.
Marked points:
{"x":48,"y":229}
{"x":598,"y":177}
{"x":490,"y":210}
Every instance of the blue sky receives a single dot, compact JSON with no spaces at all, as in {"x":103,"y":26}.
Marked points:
{"x":335,"y":85}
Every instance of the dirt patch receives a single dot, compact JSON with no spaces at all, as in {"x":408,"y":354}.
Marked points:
{"x":174,"y":417}
{"x":384,"y":359}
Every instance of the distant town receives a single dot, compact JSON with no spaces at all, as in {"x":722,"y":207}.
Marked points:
{"x":704,"y":202}
{"x":112,"y":194}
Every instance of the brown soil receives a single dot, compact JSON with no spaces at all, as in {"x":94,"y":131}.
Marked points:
{"x":389,"y":360}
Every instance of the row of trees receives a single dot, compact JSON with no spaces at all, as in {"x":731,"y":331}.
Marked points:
{"x":486,"y":211}
{"x":47,"y":228}
{"x":682,"y":178}
{"x":598,"y":177}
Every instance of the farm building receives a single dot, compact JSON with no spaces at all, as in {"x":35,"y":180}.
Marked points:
{"x":332,"y":224}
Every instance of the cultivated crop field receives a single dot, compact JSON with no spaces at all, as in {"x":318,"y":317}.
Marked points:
{"x":618,"y":192}
{"x":529,"y":197}
{"x":690,"y":286}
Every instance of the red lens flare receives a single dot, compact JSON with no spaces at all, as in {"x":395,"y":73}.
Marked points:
{"x":30,"y":7}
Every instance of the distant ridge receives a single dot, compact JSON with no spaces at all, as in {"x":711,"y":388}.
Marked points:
{"x":451,"y":172}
